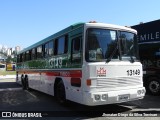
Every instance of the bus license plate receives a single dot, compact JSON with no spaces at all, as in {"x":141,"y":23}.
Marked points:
{"x":123,"y":97}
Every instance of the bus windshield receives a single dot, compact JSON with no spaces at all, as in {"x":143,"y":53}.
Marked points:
{"x":102,"y":44}
{"x":128,"y":44}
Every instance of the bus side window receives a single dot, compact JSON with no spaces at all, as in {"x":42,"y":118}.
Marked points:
{"x":61,"y":45}
{"x":39,"y":52}
{"x":30,"y":54}
{"x":34,"y":54}
{"x":27,"y":56}
{"x":21,"y":58}
{"x":76,"y":50}
{"x":56,"y":47}
{"x":46,"y":46}
{"x":18,"y":58}
{"x":50,"y":48}
{"x":66,"y":44}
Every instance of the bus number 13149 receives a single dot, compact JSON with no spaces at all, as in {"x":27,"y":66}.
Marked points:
{"x":133,"y":72}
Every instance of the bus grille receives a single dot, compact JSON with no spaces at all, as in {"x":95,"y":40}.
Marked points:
{"x":119,"y":82}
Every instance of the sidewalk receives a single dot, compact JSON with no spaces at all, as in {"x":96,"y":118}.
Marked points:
{"x":7,"y":77}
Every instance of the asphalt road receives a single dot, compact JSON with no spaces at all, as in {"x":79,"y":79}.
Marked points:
{"x":15,"y":100}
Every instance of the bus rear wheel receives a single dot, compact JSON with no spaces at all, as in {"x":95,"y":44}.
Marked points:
{"x":154,"y":86}
{"x":60,"y":93}
{"x":26,"y":83}
{"x":23,"y":82}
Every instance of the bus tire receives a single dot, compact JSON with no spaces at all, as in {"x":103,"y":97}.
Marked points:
{"x":26,"y":83}
{"x":153,"y":86}
{"x":60,"y":93}
{"x":23,"y":82}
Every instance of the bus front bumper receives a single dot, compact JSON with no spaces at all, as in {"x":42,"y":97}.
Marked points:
{"x":111,"y":97}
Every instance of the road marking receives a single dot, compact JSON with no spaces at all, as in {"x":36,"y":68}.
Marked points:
{"x":31,"y":94}
{"x":10,"y":89}
{"x":128,"y":106}
{"x":79,"y":118}
{"x":135,"y":109}
{"x":145,"y":110}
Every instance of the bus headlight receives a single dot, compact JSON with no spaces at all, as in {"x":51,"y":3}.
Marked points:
{"x":139,"y":92}
{"x":97,"y":97}
{"x":143,"y":91}
{"x":104,"y":96}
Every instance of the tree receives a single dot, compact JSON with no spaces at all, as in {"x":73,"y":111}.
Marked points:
{"x":9,"y":59}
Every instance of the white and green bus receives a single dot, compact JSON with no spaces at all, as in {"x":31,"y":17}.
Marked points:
{"x":88,"y":63}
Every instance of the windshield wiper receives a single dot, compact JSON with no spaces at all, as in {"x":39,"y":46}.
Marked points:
{"x":113,"y":53}
{"x":132,"y":60}
{"x":129,"y":52}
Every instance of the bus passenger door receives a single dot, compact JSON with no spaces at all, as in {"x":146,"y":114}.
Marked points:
{"x":76,"y":52}
{"x":75,"y":92}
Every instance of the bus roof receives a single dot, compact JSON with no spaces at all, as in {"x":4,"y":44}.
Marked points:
{"x":53,"y":36}
{"x":74,"y":26}
{"x":117,"y":27}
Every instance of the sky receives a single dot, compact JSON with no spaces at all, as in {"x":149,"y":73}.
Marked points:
{"x":24,"y":22}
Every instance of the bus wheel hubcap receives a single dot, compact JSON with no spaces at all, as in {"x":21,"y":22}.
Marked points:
{"x":154,"y":86}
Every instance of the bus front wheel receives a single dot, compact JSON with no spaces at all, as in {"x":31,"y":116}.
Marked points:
{"x":60,"y":93}
{"x":154,"y":86}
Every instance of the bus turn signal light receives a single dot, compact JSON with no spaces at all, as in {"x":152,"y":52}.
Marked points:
{"x":88,"y":82}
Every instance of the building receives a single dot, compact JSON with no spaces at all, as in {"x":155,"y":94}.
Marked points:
{"x":2,"y":58}
{"x":17,"y":49}
{"x":9,"y":51}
